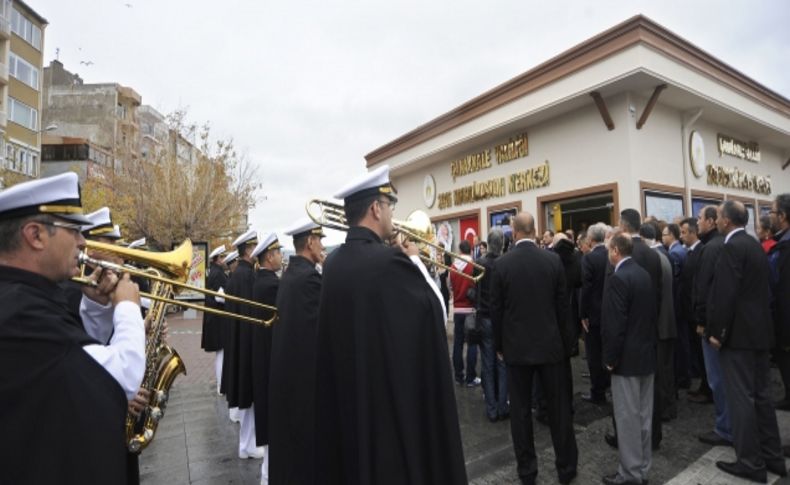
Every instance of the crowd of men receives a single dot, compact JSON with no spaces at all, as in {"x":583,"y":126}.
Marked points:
{"x":352,"y":384}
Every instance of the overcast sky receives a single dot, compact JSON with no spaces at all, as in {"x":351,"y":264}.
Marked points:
{"x":308,"y":88}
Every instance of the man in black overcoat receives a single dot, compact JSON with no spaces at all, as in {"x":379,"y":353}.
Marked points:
{"x":211,"y":338}
{"x":292,"y":377}
{"x":594,"y":266}
{"x":779,"y":260}
{"x":629,"y":337}
{"x":385,"y":407}
{"x":529,"y":311}
{"x":740,"y":326}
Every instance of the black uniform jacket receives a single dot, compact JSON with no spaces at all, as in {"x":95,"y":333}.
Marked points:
{"x":484,"y":285}
{"x":649,"y":260}
{"x":260,"y":349}
{"x":385,"y":404}
{"x":236,"y":378}
{"x":594,"y":266}
{"x":688,"y":283}
{"x":292,"y":377}
{"x":528,"y":306}
{"x":739,"y":311}
{"x":62,"y":416}
{"x":628,"y":321}
{"x":779,"y":259}
{"x":211,"y":339}
{"x":703,"y":279}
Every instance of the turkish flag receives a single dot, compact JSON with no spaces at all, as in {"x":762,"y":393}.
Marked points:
{"x":469,"y":229}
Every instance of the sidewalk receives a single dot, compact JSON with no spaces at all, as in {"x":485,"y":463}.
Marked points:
{"x":197,"y":443}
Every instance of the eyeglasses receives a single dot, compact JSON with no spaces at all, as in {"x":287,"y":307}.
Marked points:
{"x":389,"y":202}
{"x":76,"y":228}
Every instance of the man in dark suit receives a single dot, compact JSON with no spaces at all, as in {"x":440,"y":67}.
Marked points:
{"x":721,"y":435}
{"x":594,"y":266}
{"x":779,"y":260}
{"x":628,"y":333}
{"x":689,"y":236}
{"x":528,"y":312}
{"x":630,"y":222}
{"x":677,"y":256}
{"x":741,"y":328}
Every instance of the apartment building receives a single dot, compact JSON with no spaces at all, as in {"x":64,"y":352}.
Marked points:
{"x":21,"y":61}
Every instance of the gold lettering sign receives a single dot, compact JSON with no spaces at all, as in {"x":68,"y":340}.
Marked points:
{"x":532,"y":178}
{"x":470,"y":164}
{"x":479,"y":191}
{"x":730,"y":146}
{"x":736,"y":178}
{"x":445,"y":200}
{"x":514,"y":148}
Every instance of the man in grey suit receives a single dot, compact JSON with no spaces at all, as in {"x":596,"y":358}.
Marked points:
{"x":628,"y":331}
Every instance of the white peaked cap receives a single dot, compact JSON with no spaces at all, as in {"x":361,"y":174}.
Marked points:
{"x":303,"y":227}
{"x":267,"y":243}
{"x":56,"y":196}
{"x":137,"y":243}
{"x":217,"y":251}
{"x":248,"y":236}
{"x":231,"y":257}
{"x":374,"y":182}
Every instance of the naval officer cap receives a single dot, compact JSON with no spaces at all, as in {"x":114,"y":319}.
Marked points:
{"x":57,"y":196}
{"x":231,"y":257}
{"x":249,"y":237}
{"x":101,"y":225}
{"x":218,"y":251}
{"x":304,"y":227}
{"x":372,"y":183}
{"x":267,"y":244}
{"x":137,"y":244}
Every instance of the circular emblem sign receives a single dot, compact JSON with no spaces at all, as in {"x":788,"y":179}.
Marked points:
{"x":697,"y":154}
{"x":429,"y":191}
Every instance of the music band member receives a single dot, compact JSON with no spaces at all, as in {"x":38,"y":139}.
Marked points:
{"x":211,"y":338}
{"x":385,"y":406}
{"x":292,"y":376}
{"x":55,"y":376}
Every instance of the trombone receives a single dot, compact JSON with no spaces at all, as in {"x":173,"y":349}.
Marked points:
{"x":417,"y":227}
{"x":177,"y":263}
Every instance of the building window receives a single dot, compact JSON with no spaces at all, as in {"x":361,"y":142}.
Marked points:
{"x":22,"y":160}
{"x":23,"y":70}
{"x":25,"y":29}
{"x":22,"y":114}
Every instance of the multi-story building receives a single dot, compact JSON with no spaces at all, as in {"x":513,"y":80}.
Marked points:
{"x":61,"y":154}
{"x":21,"y":61}
{"x":153,"y":132}
{"x":105,"y":114}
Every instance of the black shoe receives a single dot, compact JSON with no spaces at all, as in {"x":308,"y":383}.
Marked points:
{"x":613,"y":480}
{"x":542,"y":418}
{"x":684,"y":384}
{"x":777,"y":468}
{"x":593,"y":399}
{"x":783,"y":405}
{"x":735,"y":468}
{"x":611,"y":440}
{"x":566,"y":479}
{"x":711,"y":438}
{"x":492,"y":420}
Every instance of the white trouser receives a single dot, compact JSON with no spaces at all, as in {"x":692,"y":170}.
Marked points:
{"x":265,"y":466}
{"x":233,"y":414}
{"x":218,"y":368}
{"x":247,"y":431}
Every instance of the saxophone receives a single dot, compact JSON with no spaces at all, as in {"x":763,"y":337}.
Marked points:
{"x":162,"y":366}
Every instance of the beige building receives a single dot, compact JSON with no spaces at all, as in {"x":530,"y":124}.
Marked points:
{"x":634,"y":117}
{"x":103,"y":113}
{"x":21,"y":61}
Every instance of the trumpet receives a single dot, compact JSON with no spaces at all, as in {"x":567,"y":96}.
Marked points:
{"x":176,"y":263}
{"x":417,"y":228}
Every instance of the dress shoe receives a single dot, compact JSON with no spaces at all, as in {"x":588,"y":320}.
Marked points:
{"x":777,"y":468}
{"x":611,"y":440}
{"x":593,"y":399}
{"x":711,"y":438}
{"x":700,"y":398}
{"x":256,"y":453}
{"x":735,"y":468}
{"x":614,"y":479}
{"x":567,"y":478}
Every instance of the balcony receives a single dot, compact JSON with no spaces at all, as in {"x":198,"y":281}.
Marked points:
{"x":3,"y":73}
{"x":5,"y":28}
{"x":3,"y":120}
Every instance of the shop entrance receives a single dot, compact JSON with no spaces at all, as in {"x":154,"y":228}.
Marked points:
{"x":578,"y":210}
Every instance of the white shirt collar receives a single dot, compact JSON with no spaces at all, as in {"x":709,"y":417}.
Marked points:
{"x":696,"y":243}
{"x":732,"y":233}
{"x":526,"y":239}
{"x":621,"y":263}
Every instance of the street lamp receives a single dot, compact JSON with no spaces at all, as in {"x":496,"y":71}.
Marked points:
{"x":51,"y":127}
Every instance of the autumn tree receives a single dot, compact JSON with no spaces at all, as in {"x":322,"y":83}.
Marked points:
{"x":192,"y":187}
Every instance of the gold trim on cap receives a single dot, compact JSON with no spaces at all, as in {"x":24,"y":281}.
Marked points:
{"x":274,"y":245}
{"x":62,"y":209}
{"x":385,"y":189}
{"x":100,"y":231}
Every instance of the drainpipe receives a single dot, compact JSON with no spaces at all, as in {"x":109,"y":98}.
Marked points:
{"x":687,"y":121}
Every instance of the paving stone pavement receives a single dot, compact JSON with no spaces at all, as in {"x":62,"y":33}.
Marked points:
{"x":196,"y":443}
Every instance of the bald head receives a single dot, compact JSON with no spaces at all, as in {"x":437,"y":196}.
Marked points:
{"x":524,"y":226}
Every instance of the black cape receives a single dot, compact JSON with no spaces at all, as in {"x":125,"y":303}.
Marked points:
{"x":292,"y":376}
{"x":385,"y":404}
{"x":236,"y":378}
{"x":211,"y":338}
{"x":62,"y":415}
{"x":260,"y":348}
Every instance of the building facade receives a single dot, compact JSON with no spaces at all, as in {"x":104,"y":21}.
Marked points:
{"x":634,"y":117}
{"x":21,"y":61}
